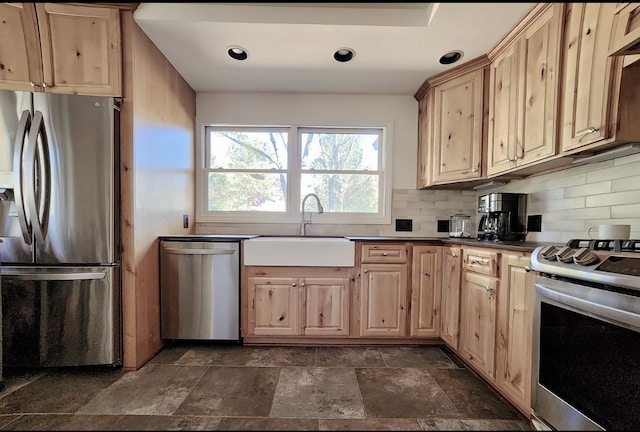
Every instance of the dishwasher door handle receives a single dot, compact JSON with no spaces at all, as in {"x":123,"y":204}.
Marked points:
{"x":178,"y":251}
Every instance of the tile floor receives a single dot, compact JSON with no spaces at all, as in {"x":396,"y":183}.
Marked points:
{"x":223,"y":387}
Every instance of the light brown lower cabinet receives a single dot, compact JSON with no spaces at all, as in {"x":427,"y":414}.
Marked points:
{"x":383,"y":294}
{"x":478,"y":322}
{"x":290,"y":306}
{"x":425,"y":291}
{"x":450,"y":297}
{"x":515,"y":326}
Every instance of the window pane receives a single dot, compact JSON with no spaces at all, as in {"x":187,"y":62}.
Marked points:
{"x":349,"y":193}
{"x":247,"y":149}
{"x":339,"y":151}
{"x":247,"y":192}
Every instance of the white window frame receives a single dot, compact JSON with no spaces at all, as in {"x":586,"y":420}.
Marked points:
{"x":293,"y":213}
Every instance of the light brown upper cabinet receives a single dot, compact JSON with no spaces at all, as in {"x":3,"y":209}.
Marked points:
{"x":600,"y":96}
{"x":60,"y":48}
{"x":457,"y":128}
{"x":523,"y":93}
{"x":626,"y":30}
{"x":425,"y":139}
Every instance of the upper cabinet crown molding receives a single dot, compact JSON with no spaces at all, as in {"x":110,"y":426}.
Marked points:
{"x":61,"y":48}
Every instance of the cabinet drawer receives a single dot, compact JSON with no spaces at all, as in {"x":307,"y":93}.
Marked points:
{"x":384,"y":253}
{"x":481,"y":261}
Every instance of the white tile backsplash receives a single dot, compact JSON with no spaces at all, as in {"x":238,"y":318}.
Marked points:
{"x":573,"y":199}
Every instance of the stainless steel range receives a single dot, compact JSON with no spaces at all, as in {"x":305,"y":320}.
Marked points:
{"x":586,"y":335}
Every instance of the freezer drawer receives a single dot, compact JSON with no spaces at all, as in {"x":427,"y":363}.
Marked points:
{"x":61,"y":316}
{"x":200,"y":290}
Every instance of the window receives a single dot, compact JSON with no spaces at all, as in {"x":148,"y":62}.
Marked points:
{"x":261,"y":174}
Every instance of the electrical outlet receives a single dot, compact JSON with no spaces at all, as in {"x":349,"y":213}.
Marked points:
{"x":534,"y":223}
{"x":185,"y":221}
{"x":404,"y":224}
{"x":443,"y":225}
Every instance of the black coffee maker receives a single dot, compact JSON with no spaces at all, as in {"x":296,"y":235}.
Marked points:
{"x":504,"y":216}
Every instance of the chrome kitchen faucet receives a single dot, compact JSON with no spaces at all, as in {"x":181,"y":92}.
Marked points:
{"x":303,"y":221}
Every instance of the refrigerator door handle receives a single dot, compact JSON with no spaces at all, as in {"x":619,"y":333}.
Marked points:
{"x":18,"y":154}
{"x":37,"y":157}
{"x":54,"y":276}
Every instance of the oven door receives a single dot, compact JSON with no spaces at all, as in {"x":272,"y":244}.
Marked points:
{"x":586,"y":356}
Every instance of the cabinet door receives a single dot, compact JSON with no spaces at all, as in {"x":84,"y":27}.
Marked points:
{"x":450,"y":303}
{"x":503,"y":93}
{"x":81,"y":49}
{"x":325,"y":306}
{"x":273,"y":304}
{"x":458,"y":128}
{"x":539,"y":60}
{"x":515,"y":324}
{"x":588,"y":72}
{"x":425,"y":139}
{"x":383,"y":309}
{"x":20,"y":61}
{"x":478,"y":322}
{"x":425,"y":291}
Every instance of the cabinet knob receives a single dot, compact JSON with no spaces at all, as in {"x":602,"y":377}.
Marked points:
{"x":365,"y":271}
{"x":474,"y":170}
{"x":33,"y":84}
{"x":45,"y":85}
{"x":384,"y":254}
{"x":527,"y":269}
{"x":488,"y":289}
{"x":293,"y":284}
{"x":427,"y":274}
{"x":454,"y":255}
{"x":302,"y":284}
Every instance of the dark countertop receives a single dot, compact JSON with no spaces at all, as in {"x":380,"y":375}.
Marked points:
{"x":526,"y":246}
{"x":391,"y":238}
{"x":207,"y":237}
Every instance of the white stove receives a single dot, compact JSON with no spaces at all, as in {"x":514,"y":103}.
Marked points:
{"x":602,"y":262}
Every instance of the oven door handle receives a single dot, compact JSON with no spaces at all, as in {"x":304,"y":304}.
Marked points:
{"x":621,"y":308}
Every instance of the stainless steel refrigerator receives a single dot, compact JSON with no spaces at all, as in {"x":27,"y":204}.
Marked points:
{"x":59,"y":226}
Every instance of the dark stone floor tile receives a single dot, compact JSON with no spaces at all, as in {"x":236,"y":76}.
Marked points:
{"x":153,"y":390}
{"x":350,"y":357}
{"x":59,"y":391}
{"x":263,"y":424}
{"x":416,"y":356}
{"x":215,"y":356}
{"x":13,"y":379}
{"x":468,"y":425}
{"x":162,"y":423}
{"x":281,"y":356}
{"x":63,"y":422}
{"x":402,"y":393}
{"x":316,"y":392}
{"x":472,"y":396}
{"x":169,"y":355}
{"x":5,"y":419}
{"x":382,"y":424}
{"x":232,"y":391}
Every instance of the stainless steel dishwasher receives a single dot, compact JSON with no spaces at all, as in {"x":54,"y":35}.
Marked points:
{"x":200,"y":290}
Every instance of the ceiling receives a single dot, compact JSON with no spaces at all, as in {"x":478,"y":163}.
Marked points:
{"x":291,"y":45}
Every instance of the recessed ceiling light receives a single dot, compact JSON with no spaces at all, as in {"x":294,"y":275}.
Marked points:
{"x":344,"y":54}
{"x":451,"y":57}
{"x":237,"y":53}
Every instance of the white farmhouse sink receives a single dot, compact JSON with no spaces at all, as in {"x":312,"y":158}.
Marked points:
{"x":299,"y":251}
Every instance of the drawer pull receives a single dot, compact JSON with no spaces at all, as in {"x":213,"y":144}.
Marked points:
{"x":478,"y":261}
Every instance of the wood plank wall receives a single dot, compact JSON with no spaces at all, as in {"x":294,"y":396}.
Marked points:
{"x":157,"y":181}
